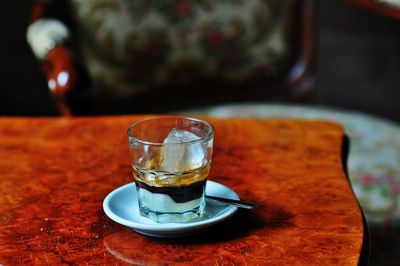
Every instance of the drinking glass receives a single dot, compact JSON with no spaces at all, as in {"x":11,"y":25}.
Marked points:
{"x":171,"y":158}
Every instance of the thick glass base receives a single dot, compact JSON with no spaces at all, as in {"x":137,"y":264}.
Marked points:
{"x":173,"y":217}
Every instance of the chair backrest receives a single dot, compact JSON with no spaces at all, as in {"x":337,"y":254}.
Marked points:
{"x":144,"y":56}
{"x":388,"y":8}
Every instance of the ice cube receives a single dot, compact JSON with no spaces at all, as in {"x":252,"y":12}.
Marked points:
{"x":183,"y":157}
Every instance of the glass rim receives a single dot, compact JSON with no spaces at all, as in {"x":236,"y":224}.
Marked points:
{"x":208,"y":136}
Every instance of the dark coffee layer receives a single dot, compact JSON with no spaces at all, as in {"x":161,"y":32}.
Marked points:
{"x":178,"y":194}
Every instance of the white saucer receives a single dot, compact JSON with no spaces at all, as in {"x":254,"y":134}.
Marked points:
{"x":121,"y":206}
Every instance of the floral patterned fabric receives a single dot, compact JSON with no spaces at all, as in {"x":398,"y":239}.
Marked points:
{"x":131,"y":45}
{"x":374,"y":165}
{"x":374,"y":153}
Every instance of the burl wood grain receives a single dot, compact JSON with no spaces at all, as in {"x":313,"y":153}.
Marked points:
{"x":55,"y":173}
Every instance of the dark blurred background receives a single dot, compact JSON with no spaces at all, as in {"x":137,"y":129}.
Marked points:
{"x":358,"y":62}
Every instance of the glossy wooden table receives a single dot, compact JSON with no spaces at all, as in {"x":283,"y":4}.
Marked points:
{"x":55,"y":173}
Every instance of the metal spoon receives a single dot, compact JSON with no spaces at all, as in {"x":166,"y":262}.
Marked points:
{"x":237,"y":203}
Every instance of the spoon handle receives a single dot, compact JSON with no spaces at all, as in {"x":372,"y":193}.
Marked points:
{"x":237,"y":203}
